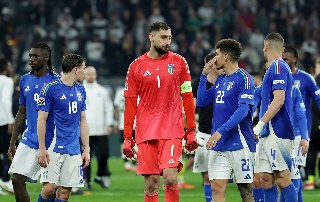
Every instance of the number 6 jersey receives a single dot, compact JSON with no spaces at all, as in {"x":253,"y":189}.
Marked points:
{"x":65,"y":103}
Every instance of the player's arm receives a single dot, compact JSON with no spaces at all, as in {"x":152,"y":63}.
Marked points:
{"x":275,"y":105}
{"x":130,"y":112}
{"x":84,"y":135}
{"x":204,"y":96}
{"x":256,"y":97}
{"x":18,"y":126}
{"x":43,"y":157}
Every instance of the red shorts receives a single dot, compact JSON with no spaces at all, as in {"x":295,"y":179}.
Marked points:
{"x":155,"y":155}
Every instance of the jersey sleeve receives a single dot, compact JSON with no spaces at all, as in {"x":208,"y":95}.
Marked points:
{"x":22,"y":98}
{"x":44,"y":101}
{"x":132,"y":82}
{"x":204,"y":96}
{"x":257,"y":97}
{"x":246,"y":88}
{"x":84,"y":106}
{"x":185,"y":78}
{"x":313,"y":89}
{"x":279,"y":76}
{"x":299,"y":112}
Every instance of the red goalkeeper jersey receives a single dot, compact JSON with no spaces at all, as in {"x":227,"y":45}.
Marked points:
{"x":157,"y":83}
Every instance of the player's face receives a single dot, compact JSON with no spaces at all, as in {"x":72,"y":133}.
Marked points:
{"x":289,"y":58}
{"x":37,"y":59}
{"x":220,"y":59}
{"x":161,"y":41}
{"x":80,"y":71}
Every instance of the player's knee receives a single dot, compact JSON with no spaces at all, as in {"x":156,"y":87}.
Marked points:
{"x":218,"y":188}
{"x":256,"y":181}
{"x":64,"y":193}
{"x":152,"y":184}
{"x":48,"y":190}
{"x":18,"y":181}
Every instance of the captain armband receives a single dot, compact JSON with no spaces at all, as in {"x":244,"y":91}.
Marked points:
{"x":185,"y":87}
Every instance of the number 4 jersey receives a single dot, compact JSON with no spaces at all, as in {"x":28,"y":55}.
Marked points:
{"x":158,"y":83}
{"x":30,"y":87}
{"x":66,"y":104}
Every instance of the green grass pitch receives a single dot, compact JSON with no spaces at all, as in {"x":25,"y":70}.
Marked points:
{"x":128,"y":187}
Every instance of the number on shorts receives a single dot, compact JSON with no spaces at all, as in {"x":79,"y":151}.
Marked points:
{"x":80,"y":171}
{"x":245,"y":164}
{"x":172,"y":149}
{"x":273,"y":154}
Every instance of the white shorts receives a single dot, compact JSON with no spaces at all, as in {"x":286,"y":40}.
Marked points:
{"x":201,"y":156}
{"x":229,"y":164}
{"x":25,"y":162}
{"x":301,"y":159}
{"x":274,"y":153}
{"x":256,"y":159}
{"x":63,"y":170}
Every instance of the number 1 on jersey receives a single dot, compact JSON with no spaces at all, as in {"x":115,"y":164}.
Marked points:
{"x":158,"y":78}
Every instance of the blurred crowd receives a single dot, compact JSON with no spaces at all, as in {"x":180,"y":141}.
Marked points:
{"x":112,"y":33}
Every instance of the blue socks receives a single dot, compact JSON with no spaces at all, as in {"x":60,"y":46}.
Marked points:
{"x":300,"y":195}
{"x":58,"y":200}
{"x":289,"y":193}
{"x":271,"y":194}
{"x":40,"y":199}
{"x":207,"y":192}
{"x":258,"y":194}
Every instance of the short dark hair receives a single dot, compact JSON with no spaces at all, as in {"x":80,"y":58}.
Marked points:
{"x":4,"y":63}
{"x":231,"y":47}
{"x":71,"y":61}
{"x":292,"y":50}
{"x":209,"y":57}
{"x":44,"y":47}
{"x":157,"y":26}
{"x":275,"y":40}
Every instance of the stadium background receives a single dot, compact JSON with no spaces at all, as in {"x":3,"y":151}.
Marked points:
{"x":112,"y":33}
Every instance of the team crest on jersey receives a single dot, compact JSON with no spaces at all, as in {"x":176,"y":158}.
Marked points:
{"x":230,"y":85}
{"x":297,"y":83}
{"x":42,"y":101}
{"x":170,"y":68}
{"x":79,"y":96}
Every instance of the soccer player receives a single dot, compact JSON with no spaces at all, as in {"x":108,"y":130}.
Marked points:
{"x":232,"y":141}
{"x":65,"y":99}
{"x":100,"y":121}
{"x":301,"y":135}
{"x":24,"y":164}
{"x":201,"y":156}
{"x":160,"y":78}
{"x":275,"y":148}
{"x":309,"y":89}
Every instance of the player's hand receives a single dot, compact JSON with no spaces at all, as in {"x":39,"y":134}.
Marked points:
{"x":11,"y":152}
{"x":85,"y":157}
{"x":130,"y":149}
{"x":212,"y":142}
{"x":304,"y":146}
{"x":190,"y":137}
{"x":208,"y":67}
{"x":200,"y":139}
{"x":43,"y":158}
{"x":258,"y":128}
{"x":109,"y":130}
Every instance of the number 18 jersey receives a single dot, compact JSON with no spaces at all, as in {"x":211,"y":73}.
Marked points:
{"x":66,"y":104}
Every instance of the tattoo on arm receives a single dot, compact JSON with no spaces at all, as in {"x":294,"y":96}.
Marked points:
{"x":18,"y":126}
{"x":245,"y":190}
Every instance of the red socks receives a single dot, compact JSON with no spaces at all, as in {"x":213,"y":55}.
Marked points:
{"x":151,"y":197}
{"x":171,"y":193}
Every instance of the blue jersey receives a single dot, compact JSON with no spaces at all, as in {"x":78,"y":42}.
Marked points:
{"x":309,"y":89}
{"x":227,"y":94}
{"x":30,"y":87}
{"x":66,"y":104}
{"x":278,"y":77}
{"x":299,"y":119}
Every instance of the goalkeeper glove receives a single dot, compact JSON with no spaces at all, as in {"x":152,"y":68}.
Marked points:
{"x":130,"y":149}
{"x":190,"y":137}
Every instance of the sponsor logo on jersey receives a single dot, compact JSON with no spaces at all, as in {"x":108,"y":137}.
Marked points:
{"x":158,"y":68}
{"x":297,"y":83}
{"x":79,"y":96}
{"x":247,"y":96}
{"x":278,"y":81}
{"x":171,"y":161}
{"x":230,"y":85}
{"x":63,"y":97}
{"x":147,"y":73}
{"x":170,"y":68}
{"x":42,"y":101}
{"x":36,"y":86}
{"x":27,"y":88}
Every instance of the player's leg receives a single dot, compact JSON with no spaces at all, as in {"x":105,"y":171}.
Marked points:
{"x":87,"y":170}
{"x":63,"y":194}
{"x":170,"y":164}
{"x":102,"y":154}
{"x":47,"y":192}
{"x":257,"y":190}
{"x":24,"y":165}
{"x":200,"y":165}
{"x":148,"y":167}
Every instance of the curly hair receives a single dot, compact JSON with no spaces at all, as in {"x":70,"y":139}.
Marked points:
{"x":231,"y":47}
{"x":157,"y":26}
